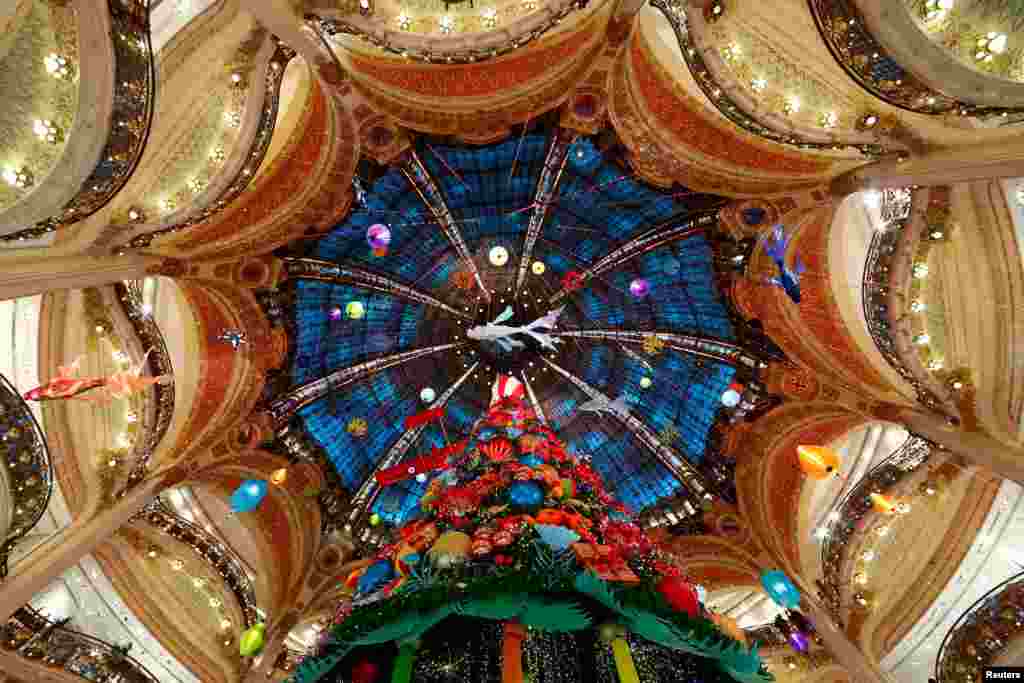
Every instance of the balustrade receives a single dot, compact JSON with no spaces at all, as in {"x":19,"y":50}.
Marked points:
{"x":848,"y":513}
{"x":51,"y":643}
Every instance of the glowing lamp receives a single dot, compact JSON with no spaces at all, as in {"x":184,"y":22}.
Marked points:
{"x":639,"y":288}
{"x":818,"y":462}
{"x":378,"y":236}
{"x":538,"y":267}
{"x":731,"y":398}
{"x":645,"y":382}
{"x":427,"y":395}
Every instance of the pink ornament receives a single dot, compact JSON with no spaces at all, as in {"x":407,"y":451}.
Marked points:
{"x":639,"y":288}
{"x":378,"y":236}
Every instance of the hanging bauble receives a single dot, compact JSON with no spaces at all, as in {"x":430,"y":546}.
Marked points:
{"x":374,"y":519}
{"x":572,"y":281}
{"x":818,"y":462}
{"x":427,"y":395}
{"x":378,"y":236}
{"x":251,"y":642}
{"x":780,"y":589}
{"x":249,"y":495}
{"x":450,"y":549}
{"x":882,"y":504}
{"x":421,"y":477}
{"x":538,"y":267}
{"x":799,"y":641}
{"x":375,"y":576}
{"x":355,"y":310}
{"x":731,"y":398}
{"x":279,"y":476}
{"x":645,"y":382}
{"x":680,"y":594}
{"x":639,"y":288}
{"x":335,"y":312}
{"x":358,"y":427}
{"x":365,"y":672}
{"x":498,"y":256}
{"x":531,"y":459}
{"x":556,"y":537}
{"x":526,"y":495}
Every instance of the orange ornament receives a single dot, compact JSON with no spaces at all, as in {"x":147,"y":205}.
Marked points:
{"x":882,"y":504}
{"x":818,"y":462}
{"x":279,"y":476}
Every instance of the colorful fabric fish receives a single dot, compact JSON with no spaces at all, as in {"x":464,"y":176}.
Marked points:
{"x":66,"y":385}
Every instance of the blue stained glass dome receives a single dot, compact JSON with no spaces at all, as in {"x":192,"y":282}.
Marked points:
{"x":447,"y":205}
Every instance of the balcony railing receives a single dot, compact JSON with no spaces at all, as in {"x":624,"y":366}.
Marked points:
{"x":876,"y":288}
{"x":246,"y":172}
{"x":30,"y":470}
{"x":34,"y":637}
{"x":872,"y":67}
{"x":133,"y":103}
{"x":220,"y":557}
{"x":848,"y":513}
{"x":676,"y":14}
{"x":157,"y":421}
{"x":981,"y":633}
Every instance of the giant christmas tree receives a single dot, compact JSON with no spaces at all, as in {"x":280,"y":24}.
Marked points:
{"x":515,"y":529}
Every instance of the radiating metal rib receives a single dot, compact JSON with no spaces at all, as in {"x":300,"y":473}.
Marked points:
{"x":652,"y":239}
{"x":315,"y":269}
{"x":367,"y":493}
{"x":705,"y":347}
{"x":285,"y":406}
{"x":533,"y":400}
{"x":547,"y":186}
{"x":681,"y":468}
{"x":421,"y":180}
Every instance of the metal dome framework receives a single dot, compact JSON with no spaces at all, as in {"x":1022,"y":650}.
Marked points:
{"x":544,"y":194}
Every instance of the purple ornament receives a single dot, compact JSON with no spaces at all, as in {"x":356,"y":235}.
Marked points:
{"x":334,"y":312}
{"x":799,"y":641}
{"x":639,"y":288}
{"x":378,"y":236}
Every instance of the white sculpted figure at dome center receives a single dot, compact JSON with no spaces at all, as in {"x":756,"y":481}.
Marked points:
{"x":502,"y":334}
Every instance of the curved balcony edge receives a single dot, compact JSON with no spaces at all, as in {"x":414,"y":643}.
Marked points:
{"x":880,"y":71}
{"x":133,"y":97}
{"x":725,"y":93}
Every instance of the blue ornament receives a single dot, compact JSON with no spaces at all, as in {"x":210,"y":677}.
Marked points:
{"x":513,"y":432}
{"x":780,"y":589}
{"x":531,"y":460}
{"x":376,"y":575}
{"x":557,"y":537}
{"x":486,"y":434}
{"x":249,"y":495}
{"x":526,"y":494}
{"x":754,"y":215}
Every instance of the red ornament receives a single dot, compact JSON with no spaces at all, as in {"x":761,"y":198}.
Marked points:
{"x":502,"y":538}
{"x":680,"y":595}
{"x":572,"y":281}
{"x":365,"y":672}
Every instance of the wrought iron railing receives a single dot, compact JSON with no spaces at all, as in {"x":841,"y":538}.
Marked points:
{"x":29,"y":468}
{"x":872,"y":67}
{"x":875,"y":288}
{"x":155,"y":426}
{"x":408,"y":46}
{"x":848,"y":512}
{"x":51,"y":643}
{"x":130,"y":121}
{"x":981,"y":633}
{"x":675,"y":13}
{"x":219,"y":555}
{"x":246,"y":171}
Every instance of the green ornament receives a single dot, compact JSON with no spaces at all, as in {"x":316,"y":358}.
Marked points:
{"x":252,"y":640}
{"x":374,"y":519}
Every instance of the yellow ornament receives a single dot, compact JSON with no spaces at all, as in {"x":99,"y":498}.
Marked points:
{"x":279,"y":476}
{"x":451,"y":548}
{"x":358,"y":427}
{"x":653,"y":344}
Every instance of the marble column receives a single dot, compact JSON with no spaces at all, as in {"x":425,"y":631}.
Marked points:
{"x":67,"y":547}
{"x":942,"y":166}
{"x":27,"y":278}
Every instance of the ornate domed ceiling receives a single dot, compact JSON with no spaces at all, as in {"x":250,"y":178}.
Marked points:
{"x":543,"y":222}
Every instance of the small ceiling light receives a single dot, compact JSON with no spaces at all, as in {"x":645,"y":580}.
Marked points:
{"x":882,"y":531}
{"x":47,"y":131}
{"x":922,"y":339}
{"x":167,"y":204}
{"x":217,"y":154}
{"x":538,"y":268}
{"x":236,"y":78}
{"x":177,"y":565}
{"x":935,"y":364}
{"x":791,"y":105}
{"x":759,"y":84}
{"x":446,"y":23}
{"x":829,"y":119}
{"x":404,"y":22}
{"x":920,"y":270}
{"x":19,"y":177}
{"x":57,"y":66}
{"x":918,"y":306}
{"x":233,"y":118}
{"x":490,"y":17}
{"x":868,"y":555}
{"x":498,"y":256}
